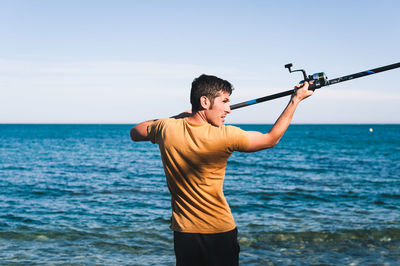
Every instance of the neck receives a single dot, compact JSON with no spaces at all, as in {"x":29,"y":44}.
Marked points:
{"x":198,"y":118}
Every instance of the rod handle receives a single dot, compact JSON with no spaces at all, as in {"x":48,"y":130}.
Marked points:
{"x":312,"y":87}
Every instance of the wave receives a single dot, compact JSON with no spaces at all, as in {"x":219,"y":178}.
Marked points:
{"x":12,"y":167}
{"x":102,"y":236}
{"x":281,"y":167}
{"x":373,"y":235}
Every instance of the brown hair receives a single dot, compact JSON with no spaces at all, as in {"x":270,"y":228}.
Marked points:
{"x":208,"y":86}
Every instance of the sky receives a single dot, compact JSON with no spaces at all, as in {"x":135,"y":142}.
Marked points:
{"x":125,"y":62}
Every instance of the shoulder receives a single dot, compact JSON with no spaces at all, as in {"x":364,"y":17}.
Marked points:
{"x":164,"y":124}
{"x":237,"y":138}
{"x":156,"y":130}
{"x":229,"y":129}
{"x":225,"y":130}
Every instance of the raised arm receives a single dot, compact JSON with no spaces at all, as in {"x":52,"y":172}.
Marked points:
{"x":260,"y":141}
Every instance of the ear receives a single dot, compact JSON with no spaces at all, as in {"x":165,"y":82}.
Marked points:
{"x":205,"y":102}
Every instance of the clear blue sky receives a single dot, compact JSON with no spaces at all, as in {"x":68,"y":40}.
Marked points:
{"x":128,"y":61}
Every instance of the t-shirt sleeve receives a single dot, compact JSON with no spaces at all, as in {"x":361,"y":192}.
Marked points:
{"x":154,"y":130}
{"x":237,"y":139}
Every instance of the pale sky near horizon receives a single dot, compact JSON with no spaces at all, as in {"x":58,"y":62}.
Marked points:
{"x":129,"y":61}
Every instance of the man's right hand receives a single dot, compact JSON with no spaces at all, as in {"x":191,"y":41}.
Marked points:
{"x":187,"y":113}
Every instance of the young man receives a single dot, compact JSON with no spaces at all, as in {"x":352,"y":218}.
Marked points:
{"x":195,"y":147}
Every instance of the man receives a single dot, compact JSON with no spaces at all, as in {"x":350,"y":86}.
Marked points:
{"x":195,"y":147}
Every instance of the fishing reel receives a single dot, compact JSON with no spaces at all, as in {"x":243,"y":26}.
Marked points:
{"x":316,"y":80}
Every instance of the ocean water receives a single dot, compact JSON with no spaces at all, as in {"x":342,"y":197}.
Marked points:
{"x":88,"y":195}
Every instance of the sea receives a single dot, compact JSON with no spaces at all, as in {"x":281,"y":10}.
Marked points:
{"x":88,"y":195}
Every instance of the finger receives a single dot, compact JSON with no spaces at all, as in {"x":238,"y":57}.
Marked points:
{"x":298,"y":86}
{"x":306,"y":85}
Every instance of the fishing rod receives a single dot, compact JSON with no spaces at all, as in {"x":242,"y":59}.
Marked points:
{"x":317,"y":80}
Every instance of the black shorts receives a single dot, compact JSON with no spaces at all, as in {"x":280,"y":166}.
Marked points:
{"x":206,"y":249}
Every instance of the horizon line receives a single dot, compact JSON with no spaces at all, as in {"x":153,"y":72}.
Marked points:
{"x":295,"y":123}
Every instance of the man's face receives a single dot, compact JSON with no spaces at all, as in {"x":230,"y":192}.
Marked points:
{"x":216,"y":113}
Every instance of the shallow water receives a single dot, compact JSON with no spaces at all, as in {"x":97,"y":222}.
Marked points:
{"x":86,"y":194}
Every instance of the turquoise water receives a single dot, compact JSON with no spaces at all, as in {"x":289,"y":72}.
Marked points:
{"x":86,"y":194}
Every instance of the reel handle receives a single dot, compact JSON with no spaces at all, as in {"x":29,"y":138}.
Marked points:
{"x":318,"y":79}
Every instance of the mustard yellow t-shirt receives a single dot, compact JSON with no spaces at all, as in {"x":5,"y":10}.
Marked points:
{"x":194,"y":158}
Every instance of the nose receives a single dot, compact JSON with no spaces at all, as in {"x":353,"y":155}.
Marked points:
{"x":228,"y":109}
